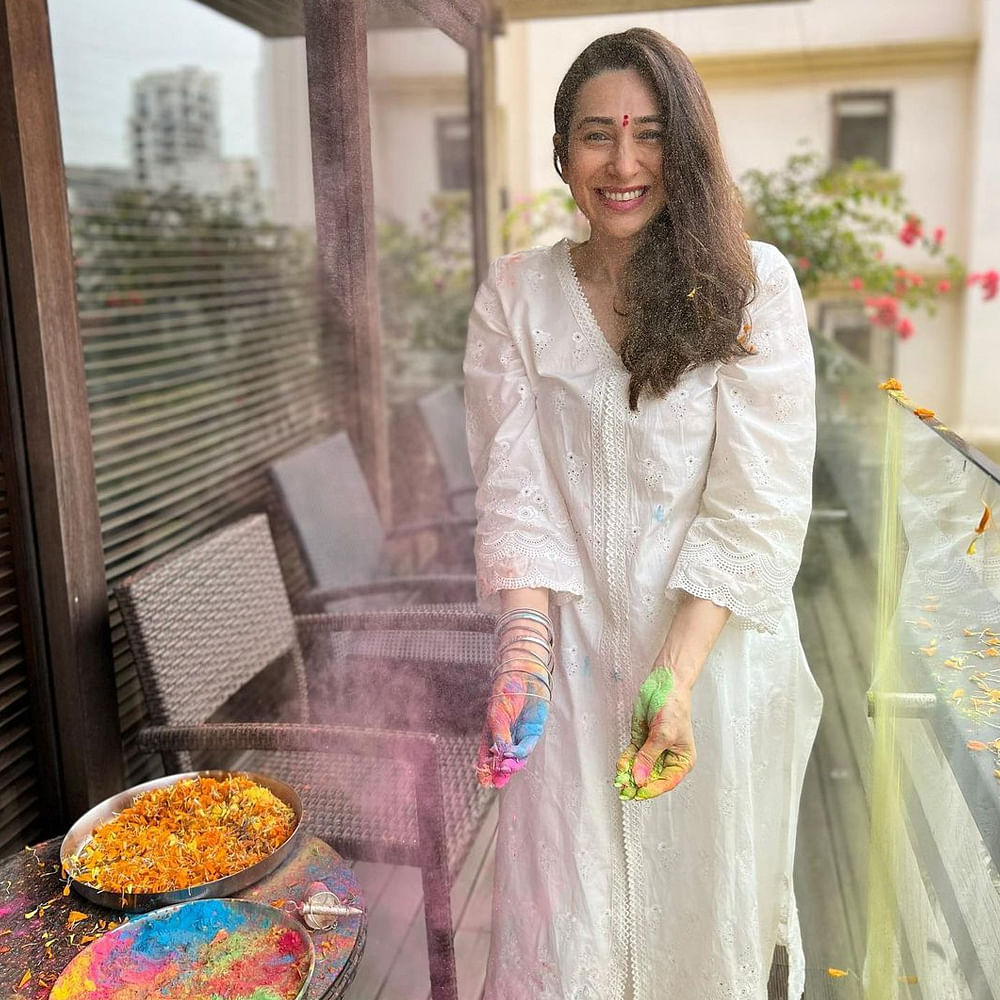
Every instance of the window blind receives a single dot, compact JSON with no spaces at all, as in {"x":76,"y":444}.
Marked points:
{"x":206,"y":359}
{"x":20,"y":802}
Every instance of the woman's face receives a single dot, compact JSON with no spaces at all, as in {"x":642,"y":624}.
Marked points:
{"x":615,"y":168}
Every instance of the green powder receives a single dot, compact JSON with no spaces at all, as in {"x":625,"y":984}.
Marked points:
{"x":653,"y":695}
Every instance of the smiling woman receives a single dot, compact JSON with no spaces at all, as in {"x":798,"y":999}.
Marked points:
{"x":640,"y":414}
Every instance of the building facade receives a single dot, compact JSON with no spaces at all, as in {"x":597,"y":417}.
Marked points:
{"x":175,"y":135}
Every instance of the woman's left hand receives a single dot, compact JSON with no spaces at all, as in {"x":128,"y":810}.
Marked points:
{"x":662,"y":749}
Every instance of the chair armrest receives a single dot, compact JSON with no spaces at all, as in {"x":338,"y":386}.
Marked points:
{"x":416,"y":618}
{"x":350,"y":740}
{"x":438,"y":524}
{"x":450,"y":587}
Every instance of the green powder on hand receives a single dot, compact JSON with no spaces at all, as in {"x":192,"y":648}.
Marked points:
{"x":653,"y":695}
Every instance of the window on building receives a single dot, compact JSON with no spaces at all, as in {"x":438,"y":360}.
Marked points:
{"x":454,"y":153}
{"x":846,"y":324}
{"x":862,"y":127}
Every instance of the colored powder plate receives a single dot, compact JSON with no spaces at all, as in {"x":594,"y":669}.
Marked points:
{"x":209,"y":949}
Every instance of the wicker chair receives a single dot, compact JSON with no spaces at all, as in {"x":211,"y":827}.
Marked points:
{"x":212,"y":622}
{"x":443,"y":413}
{"x":322,"y":491}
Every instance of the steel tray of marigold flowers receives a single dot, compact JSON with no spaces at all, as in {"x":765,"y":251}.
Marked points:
{"x":180,"y":837}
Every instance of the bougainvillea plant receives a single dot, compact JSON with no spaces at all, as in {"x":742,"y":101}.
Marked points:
{"x":542,"y":217}
{"x":851,"y":224}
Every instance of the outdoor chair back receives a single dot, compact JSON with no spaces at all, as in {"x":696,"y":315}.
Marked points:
{"x":207,"y":623}
{"x":326,"y":496}
{"x":322,"y":492}
{"x":443,"y":413}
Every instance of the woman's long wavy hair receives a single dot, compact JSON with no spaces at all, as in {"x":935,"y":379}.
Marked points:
{"x":691,"y":275}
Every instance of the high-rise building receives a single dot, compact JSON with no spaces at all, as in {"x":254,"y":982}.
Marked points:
{"x":174,"y":129}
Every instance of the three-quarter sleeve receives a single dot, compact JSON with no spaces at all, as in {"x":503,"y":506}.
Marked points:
{"x":524,"y":537}
{"x":743,"y":549}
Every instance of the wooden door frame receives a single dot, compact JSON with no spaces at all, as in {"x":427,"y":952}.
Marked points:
{"x":46,"y":350}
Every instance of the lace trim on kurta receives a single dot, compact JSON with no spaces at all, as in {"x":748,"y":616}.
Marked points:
{"x":610,"y":503}
{"x":754,"y":587}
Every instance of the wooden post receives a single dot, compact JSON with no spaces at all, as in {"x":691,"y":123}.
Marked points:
{"x":337,"y":64}
{"x":481,"y":192}
{"x":486,"y":197}
{"x":57,"y":443}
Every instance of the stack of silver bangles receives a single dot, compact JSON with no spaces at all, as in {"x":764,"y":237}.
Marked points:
{"x":534,"y":631}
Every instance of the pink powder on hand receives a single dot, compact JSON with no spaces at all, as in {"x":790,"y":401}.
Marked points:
{"x":499,"y":766}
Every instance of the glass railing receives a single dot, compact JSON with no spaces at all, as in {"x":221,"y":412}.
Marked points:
{"x":851,"y":418}
{"x":920,"y":501}
{"x":934,"y":907}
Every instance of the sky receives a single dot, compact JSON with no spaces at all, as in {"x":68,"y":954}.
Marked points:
{"x":100,"y":46}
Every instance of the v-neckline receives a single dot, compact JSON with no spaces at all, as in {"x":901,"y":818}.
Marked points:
{"x":580,"y":304}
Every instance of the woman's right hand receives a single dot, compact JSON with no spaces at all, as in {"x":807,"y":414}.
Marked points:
{"x":515,"y":717}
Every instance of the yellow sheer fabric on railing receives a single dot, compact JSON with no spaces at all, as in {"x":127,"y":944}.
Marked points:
{"x":934,"y":890}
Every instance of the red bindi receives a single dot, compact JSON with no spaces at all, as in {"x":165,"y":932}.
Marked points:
{"x":624,"y":121}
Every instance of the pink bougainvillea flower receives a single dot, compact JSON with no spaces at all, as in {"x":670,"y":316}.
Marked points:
{"x":904,"y":328}
{"x":857,"y":284}
{"x":973,"y":279}
{"x":912,"y":230}
{"x":944,"y":286}
{"x":939,"y":235}
{"x":804,"y":263}
{"x":991,"y":285}
{"x":884,"y":310}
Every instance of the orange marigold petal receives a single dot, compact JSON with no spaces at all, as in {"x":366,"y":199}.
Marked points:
{"x":984,"y":520}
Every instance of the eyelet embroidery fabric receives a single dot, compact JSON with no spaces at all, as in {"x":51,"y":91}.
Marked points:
{"x":705,"y":491}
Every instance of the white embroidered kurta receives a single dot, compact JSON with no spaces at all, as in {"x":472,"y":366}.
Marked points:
{"x":705,"y":491}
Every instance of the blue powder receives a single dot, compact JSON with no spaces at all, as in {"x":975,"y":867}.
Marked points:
{"x":165,"y":935}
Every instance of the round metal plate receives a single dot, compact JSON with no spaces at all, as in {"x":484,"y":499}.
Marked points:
{"x":209,"y":947}
{"x":83,"y":829}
